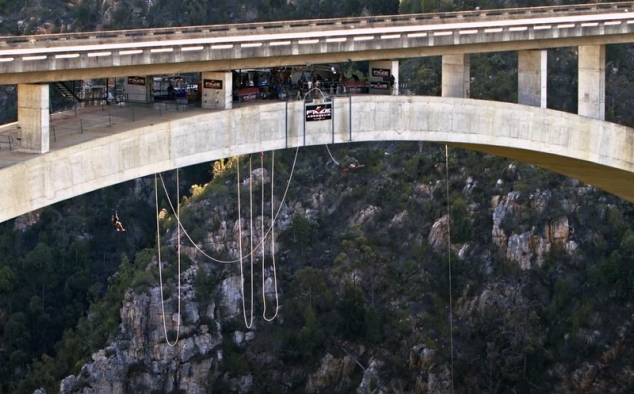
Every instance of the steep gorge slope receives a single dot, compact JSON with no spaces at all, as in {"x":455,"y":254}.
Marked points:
{"x":538,"y":305}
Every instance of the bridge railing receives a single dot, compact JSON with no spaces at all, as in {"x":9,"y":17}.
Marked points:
{"x":99,"y":119}
{"x":7,"y":140}
{"x":290,"y":26}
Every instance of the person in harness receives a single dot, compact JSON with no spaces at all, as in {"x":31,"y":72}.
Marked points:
{"x":349,"y":164}
{"x":116,"y":223}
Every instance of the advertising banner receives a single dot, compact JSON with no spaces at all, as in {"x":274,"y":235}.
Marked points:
{"x":379,"y":85}
{"x":136,"y":81}
{"x":248,"y":94}
{"x":316,"y":112}
{"x":212,"y":83}
{"x":355,"y":86}
{"x":381,"y":72}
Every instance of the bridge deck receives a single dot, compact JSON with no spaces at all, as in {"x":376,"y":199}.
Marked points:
{"x":74,"y":127}
{"x":64,"y":57}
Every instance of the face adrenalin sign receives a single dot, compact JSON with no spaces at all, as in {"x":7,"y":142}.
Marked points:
{"x":316,"y":112}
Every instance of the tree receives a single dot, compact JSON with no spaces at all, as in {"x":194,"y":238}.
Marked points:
{"x":460,"y":220}
{"x":38,"y":269}
{"x":373,"y":332}
{"x":311,"y":336}
{"x":7,"y":280}
{"x":382,"y":7}
{"x":16,"y":333}
{"x":352,"y":312}
{"x":301,"y":229}
{"x":418,"y":6}
{"x":359,"y":257}
{"x":310,"y":284}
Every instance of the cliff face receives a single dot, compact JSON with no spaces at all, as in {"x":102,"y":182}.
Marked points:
{"x":363,"y":289}
{"x":146,"y":355}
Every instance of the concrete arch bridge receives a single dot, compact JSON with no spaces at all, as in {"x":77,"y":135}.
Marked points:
{"x":593,"y":151}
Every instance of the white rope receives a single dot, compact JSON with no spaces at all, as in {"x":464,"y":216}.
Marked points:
{"x":158,"y":243}
{"x":449,"y":261}
{"x":277,"y":301}
{"x":252,"y":251}
{"x":333,"y":159}
{"x":244,"y":307}
{"x":241,"y":257}
{"x":264,"y":237}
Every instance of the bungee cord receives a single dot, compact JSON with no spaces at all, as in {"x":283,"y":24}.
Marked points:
{"x":277,"y":301}
{"x":333,"y":159}
{"x":449,"y":264}
{"x":248,"y":324}
{"x":202,"y":252}
{"x":271,"y":230}
{"x":178,"y":252}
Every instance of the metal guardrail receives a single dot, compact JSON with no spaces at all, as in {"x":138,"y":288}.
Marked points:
{"x":7,"y":139}
{"x":102,"y":117}
{"x":290,"y":26}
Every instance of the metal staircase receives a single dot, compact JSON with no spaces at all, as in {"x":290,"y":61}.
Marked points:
{"x":67,"y":92}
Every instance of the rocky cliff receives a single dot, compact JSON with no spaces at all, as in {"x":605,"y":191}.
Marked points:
{"x":363,"y":291}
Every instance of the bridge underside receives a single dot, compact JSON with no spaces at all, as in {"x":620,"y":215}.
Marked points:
{"x":592,"y":151}
{"x":610,"y":179}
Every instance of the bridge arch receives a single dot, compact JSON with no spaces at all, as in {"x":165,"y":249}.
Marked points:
{"x":593,"y":151}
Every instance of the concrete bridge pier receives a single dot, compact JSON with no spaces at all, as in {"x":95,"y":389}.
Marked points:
{"x":456,"y":75}
{"x":531,"y":78}
{"x":139,"y":89}
{"x":33,"y":118}
{"x":380,"y":73}
{"x":216,"y":90}
{"x":592,"y":81}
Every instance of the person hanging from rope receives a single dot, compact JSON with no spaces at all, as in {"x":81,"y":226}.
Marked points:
{"x":349,"y":164}
{"x":116,"y":223}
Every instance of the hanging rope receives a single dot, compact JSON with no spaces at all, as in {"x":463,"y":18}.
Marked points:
{"x":449,"y":261}
{"x":244,"y":307}
{"x":160,"y":264}
{"x":277,"y":301}
{"x":274,"y":216}
{"x":333,"y":159}
{"x":264,"y":237}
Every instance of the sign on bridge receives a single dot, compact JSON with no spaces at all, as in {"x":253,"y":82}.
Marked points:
{"x":316,"y":112}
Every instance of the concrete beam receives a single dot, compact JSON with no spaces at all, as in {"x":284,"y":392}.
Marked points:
{"x":531,"y":78}
{"x":592,"y":81}
{"x":33,"y":118}
{"x":456,"y":75}
{"x":322,"y":53}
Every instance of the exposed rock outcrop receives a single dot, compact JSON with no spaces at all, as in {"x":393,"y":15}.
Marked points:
{"x":332,"y":372}
{"x":529,"y":248}
{"x":143,"y":357}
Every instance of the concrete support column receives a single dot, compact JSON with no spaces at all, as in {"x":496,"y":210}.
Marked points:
{"x":456,"y":75}
{"x":531,"y":78}
{"x":217,"y":90}
{"x":384,"y":77}
{"x":33,"y":118}
{"x":592,"y":81}
{"x":139,"y":89}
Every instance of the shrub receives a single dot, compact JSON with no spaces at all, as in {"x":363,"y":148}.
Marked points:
{"x":142,"y":280}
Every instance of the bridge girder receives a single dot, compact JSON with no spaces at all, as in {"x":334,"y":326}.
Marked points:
{"x":593,"y":151}
{"x":31,"y":60}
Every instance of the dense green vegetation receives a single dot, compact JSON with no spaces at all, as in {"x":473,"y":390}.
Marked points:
{"x":366,"y":289}
{"x":345,"y":287}
{"x":62,"y":279}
